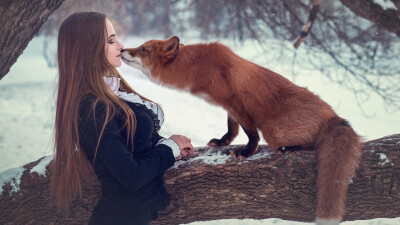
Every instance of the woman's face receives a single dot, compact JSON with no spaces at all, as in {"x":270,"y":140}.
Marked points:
{"x":113,"y":46}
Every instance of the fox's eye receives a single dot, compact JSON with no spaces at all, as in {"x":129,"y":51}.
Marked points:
{"x":143,"y":49}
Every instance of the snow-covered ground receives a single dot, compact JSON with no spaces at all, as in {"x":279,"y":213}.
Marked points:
{"x":27,"y":97}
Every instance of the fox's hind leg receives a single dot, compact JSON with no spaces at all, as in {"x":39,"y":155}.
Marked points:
{"x":233,"y":130}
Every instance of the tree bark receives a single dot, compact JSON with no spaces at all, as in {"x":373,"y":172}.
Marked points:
{"x":388,"y":19}
{"x":207,"y":187}
{"x":20,"y":21}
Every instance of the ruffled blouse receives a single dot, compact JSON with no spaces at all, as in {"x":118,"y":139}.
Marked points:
{"x":154,"y":110}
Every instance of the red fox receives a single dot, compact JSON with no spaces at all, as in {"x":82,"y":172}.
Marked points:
{"x":256,"y":98}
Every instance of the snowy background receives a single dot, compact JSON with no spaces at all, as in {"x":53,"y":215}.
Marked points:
{"x":27,"y":98}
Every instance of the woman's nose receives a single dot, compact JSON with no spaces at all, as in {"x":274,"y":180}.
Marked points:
{"x":121,"y":46}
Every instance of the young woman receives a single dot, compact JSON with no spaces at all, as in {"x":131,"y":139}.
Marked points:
{"x":100,"y":119}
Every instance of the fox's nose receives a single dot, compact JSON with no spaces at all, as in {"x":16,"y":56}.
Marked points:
{"x":122,"y":50}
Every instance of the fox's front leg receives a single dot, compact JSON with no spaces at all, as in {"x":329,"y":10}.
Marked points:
{"x":233,"y":131}
{"x":251,"y":146}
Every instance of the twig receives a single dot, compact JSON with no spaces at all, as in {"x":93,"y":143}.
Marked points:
{"x":307,"y":28}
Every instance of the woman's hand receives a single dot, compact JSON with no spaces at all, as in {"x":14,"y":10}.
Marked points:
{"x":184,"y":144}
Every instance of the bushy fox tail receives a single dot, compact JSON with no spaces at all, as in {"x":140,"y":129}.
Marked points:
{"x":339,"y":150}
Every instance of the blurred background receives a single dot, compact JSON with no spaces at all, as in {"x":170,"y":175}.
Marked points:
{"x":351,"y":46}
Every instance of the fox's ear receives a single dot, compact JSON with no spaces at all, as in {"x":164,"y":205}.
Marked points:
{"x":171,"y":47}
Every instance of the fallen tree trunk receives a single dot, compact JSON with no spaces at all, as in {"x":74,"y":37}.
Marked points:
{"x":214,"y":186}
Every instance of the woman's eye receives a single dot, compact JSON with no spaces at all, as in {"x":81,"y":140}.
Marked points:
{"x":111,"y":42}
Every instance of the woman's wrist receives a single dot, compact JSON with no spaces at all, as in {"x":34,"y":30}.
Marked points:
{"x":176,"y":151}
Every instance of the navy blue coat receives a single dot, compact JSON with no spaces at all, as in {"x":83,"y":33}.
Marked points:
{"x":132,"y":182}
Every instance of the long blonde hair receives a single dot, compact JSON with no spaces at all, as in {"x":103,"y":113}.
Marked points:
{"x":82,"y":63}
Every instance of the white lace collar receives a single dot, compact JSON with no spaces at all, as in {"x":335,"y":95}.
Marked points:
{"x":113,"y":83}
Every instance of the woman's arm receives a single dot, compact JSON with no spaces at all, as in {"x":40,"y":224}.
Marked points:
{"x":131,"y":174}
{"x":114,"y":154}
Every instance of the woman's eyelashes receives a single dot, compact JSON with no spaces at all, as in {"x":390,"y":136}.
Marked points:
{"x":111,"y":41}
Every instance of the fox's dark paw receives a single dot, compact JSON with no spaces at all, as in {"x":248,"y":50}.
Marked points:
{"x":218,"y":142}
{"x":242,"y":153}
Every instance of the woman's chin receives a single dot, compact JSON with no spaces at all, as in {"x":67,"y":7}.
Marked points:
{"x":117,"y":64}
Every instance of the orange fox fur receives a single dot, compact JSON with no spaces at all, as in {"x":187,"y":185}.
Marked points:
{"x":259,"y":99}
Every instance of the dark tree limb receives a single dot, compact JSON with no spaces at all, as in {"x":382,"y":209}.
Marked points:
{"x":266,"y":185}
{"x":20,"y":21}
{"x":388,"y":19}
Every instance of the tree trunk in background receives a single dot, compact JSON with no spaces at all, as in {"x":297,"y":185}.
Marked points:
{"x":20,"y":21}
{"x":266,"y":185}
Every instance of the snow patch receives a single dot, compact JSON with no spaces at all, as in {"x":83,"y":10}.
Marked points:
{"x":319,"y":221}
{"x":261,"y":155}
{"x":385,"y":4}
{"x":40,"y":168}
{"x":213,"y":157}
{"x":13,"y":177}
{"x":381,"y":144}
{"x":391,"y":139}
{"x":270,"y":221}
{"x":209,"y":157}
{"x":377,"y":221}
{"x":383,"y":158}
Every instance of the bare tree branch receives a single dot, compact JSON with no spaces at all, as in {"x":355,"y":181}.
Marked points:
{"x":308,"y":26}
{"x":386,"y":18}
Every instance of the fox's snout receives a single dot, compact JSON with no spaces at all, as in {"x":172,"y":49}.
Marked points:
{"x":151,"y":54}
{"x":128,"y":54}
{"x":132,"y":58}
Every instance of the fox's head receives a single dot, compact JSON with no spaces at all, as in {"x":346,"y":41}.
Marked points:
{"x":151,"y":53}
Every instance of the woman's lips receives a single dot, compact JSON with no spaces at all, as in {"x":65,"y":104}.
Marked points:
{"x":119,"y":55}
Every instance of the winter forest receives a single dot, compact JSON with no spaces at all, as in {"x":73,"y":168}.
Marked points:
{"x":345,"y":51}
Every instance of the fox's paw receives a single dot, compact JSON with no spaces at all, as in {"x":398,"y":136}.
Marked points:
{"x":218,"y":142}
{"x":241,"y":153}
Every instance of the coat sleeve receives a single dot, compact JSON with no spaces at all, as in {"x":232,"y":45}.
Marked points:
{"x":113,"y":152}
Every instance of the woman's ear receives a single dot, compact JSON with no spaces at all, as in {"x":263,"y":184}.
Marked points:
{"x":171,"y":47}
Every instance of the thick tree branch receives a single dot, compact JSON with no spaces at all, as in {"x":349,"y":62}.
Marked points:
{"x":20,"y":21}
{"x":388,"y":19}
{"x":214,"y":186}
